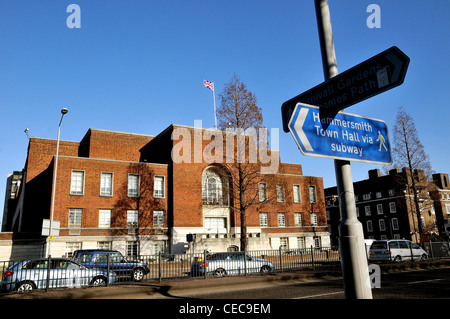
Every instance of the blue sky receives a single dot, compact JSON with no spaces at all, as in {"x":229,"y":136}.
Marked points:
{"x":138,"y":66}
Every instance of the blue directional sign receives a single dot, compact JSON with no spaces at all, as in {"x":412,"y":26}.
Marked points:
{"x":346,"y":136}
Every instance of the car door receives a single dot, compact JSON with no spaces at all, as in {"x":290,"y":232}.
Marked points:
{"x":394,"y":249}
{"x":405,"y":250}
{"x":79,"y":274}
{"x":417,"y":251}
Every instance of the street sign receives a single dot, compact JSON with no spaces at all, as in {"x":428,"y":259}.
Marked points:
{"x":46,"y":227}
{"x":371,"y":77}
{"x":346,"y":136}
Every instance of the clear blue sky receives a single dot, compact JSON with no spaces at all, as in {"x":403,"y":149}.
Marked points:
{"x":138,"y":66}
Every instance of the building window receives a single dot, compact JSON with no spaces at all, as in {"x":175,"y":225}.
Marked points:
{"x":314,"y":221}
{"x":77,"y":183}
{"x":378,"y":194}
{"x":262,"y":192}
{"x":132,"y":218}
{"x":366,"y":196}
{"x":369,"y":226}
{"x":296,"y":190}
{"x":392,"y":207}
{"x":395,"y":224}
{"x":280,"y":193}
{"x":214,"y":187}
{"x":391,"y":192}
{"x":158,"y":187}
{"x":133,"y":185}
{"x":317,"y":242}
{"x":104,"y":218}
{"x":263,"y":220}
{"x":284,"y":243}
{"x":107,"y":245}
{"x":298,"y":219}
{"x":75,"y":218}
{"x":447,"y":208}
{"x":132,"y":248}
{"x":379,"y":209}
{"x":281,"y":220}
{"x":216,"y":224}
{"x":367,"y":210}
{"x":312,"y":194}
{"x":382,"y":225}
{"x":301,"y":242}
{"x":158,"y":219}
{"x":71,"y":247}
{"x":357,"y":211}
{"x":106,"y":180}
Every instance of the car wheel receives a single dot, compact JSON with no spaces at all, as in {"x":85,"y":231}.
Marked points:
{"x":397,"y":259}
{"x":265,"y":269}
{"x":220,"y":272}
{"x":98,"y":281}
{"x":138,"y":274}
{"x":423,"y":257}
{"x":25,"y":286}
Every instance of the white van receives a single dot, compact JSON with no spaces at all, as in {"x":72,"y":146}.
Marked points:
{"x":395,"y":250}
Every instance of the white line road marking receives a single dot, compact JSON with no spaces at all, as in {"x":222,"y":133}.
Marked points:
{"x":419,"y":282}
{"x":320,"y":295}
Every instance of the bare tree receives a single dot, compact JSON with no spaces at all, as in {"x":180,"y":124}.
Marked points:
{"x":409,"y":152}
{"x":238,"y":112}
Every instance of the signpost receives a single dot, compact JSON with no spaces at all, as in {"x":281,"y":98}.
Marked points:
{"x":380,"y":73}
{"x":346,"y":136}
{"x":46,"y":228}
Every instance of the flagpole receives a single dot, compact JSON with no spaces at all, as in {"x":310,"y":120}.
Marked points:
{"x":215,"y":116}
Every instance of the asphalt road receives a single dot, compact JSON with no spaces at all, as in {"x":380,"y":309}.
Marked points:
{"x":420,"y":284}
{"x":417,"y":284}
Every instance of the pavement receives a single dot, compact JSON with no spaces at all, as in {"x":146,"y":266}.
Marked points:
{"x":169,"y":286}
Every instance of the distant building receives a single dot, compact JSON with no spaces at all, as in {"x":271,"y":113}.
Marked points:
{"x":125,"y":191}
{"x":386,"y":208}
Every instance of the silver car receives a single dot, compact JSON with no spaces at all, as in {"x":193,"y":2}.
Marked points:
{"x":231,"y":263}
{"x":28,"y":275}
{"x":395,"y":250}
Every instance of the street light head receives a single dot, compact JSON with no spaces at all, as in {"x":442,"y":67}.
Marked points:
{"x":64,"y":111}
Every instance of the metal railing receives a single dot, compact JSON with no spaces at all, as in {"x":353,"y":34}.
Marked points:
{"x":54,"y":273}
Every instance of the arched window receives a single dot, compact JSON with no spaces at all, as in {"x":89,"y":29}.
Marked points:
{"x":214,"y":188}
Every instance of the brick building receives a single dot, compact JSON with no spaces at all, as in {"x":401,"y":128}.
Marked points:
{"x":386,"y":208}
{"x":173,"y":192}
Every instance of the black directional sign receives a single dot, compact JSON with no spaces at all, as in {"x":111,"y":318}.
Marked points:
{"x":380,"y":73}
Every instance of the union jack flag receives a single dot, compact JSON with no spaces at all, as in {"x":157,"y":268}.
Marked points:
{"x":209,"y":85}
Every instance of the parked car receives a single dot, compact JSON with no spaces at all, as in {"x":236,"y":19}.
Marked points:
{"x":98,"y":258}
{"x":368,"y":243}
{"x":395,"y":250}
{"x":230,"y":263}
{"x":28,"y":275}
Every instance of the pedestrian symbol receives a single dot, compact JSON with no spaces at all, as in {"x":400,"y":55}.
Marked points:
{"x":382,"y":141}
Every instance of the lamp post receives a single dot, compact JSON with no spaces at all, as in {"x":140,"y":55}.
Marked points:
{"x":63,"y":112}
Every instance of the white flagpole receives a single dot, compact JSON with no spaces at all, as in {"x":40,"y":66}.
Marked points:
{"x":214,"y":98}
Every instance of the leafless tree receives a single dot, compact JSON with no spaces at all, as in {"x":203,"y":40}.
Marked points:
{"x":238,"y":112}
{"x":409,"y":152}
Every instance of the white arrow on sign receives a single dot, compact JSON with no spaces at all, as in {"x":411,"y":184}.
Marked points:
{"x":299,"y":129}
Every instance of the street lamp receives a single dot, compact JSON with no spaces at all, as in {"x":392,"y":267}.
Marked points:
{"x":63,"y":112}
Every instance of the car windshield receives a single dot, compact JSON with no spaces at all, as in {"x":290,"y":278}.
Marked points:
{"x":379,"y":245}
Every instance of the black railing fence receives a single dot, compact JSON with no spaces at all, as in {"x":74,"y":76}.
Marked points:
{"x":50,"y":272}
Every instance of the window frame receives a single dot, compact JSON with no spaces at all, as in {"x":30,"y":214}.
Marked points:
{"x":130,"y":191}
{"x":105,"y":193}
{"x":75,"y":214}
{"x":101,"y":218}
{"x":73,"y":184}
{"x":163,"y":185}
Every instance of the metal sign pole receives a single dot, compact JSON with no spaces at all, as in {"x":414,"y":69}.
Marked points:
{"x":354,"y":262}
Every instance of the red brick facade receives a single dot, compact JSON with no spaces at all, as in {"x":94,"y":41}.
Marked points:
{"x":184,"y":203}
